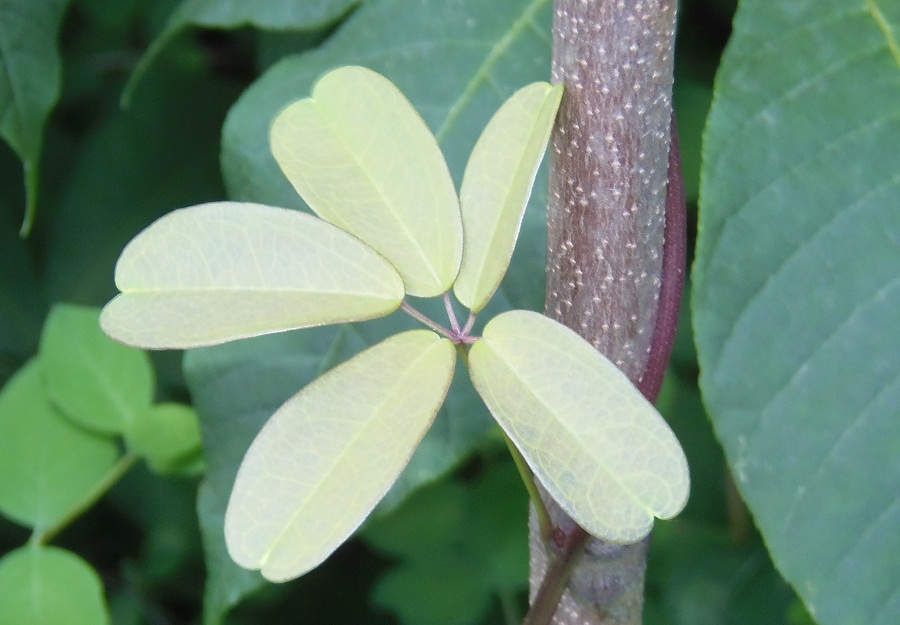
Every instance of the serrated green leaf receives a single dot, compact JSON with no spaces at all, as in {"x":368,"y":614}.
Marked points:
{"x":496,"y":187}
{"x":50,"y":586}
{"x":29,"y":82}
{"x":168,"y":436}
{"x":601,"y":449}
{"x":101,"y":384}
{"x":796,"y":293}
{"x":363,"y":159}
{"x":48,"y":464}
{"x":227,"y":270}
{"x":331,"y":452}
{"x":276,"y":15}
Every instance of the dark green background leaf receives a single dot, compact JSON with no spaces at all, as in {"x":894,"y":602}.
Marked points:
{"x":277,"y":15}
{"x":796,"y":293}
{"x":461,"y":547}
{"x":138,"y":165}
{"x":29,"y":81}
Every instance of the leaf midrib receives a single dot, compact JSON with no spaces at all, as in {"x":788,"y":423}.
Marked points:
{"x":575,"y":438}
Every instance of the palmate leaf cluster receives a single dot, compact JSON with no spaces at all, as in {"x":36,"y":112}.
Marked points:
{"x":390,"y":225}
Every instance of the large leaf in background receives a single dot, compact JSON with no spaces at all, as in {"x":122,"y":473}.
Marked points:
{"x":50,"y":586}
{"x":332,"y":451}
{"x":29,"y":82}
{"x":222,"y":271}
{"x":276,"y":15}
{"x":796,"y":293}
{"x":362,"y":158}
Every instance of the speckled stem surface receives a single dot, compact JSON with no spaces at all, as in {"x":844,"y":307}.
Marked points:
{"x":609,"y":159}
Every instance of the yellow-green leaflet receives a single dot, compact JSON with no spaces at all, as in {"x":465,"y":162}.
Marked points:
{"x":363,"y":159}
{"x":496,"y":187}
{"x":228,"y":270}
{"x":601,"y":450}
{"x":330,"y":453}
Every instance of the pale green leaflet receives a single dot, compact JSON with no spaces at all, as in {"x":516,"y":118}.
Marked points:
{"x":389,"y":224}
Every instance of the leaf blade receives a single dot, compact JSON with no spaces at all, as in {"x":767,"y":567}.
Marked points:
{"x":167,"y":436}
{"x":30,"y":70}
{"x":539,"y":379}
{"x":49,"y":585}
{"x":101,"y":384}
{"x":216,"y":272}
{"x":405,"y":376}
{"x":795,"y":293}
{"x":363,"y":159}
{"x":49,"y":465}
{"x":497,"y":185}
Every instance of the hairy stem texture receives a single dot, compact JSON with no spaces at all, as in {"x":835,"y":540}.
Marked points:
{"x":607,"y":230}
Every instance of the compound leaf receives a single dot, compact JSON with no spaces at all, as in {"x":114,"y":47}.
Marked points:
{"x":50,"y":586}
{"x":48,"y":464}
{"x":100,"y":383}
{"x":327,"y":456}
{"x":227,"y":270}
{"x":496,"y":187}
{"x":601,"y":449}
{"x":363,"y":159}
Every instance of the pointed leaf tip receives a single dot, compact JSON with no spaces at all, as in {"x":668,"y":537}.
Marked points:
{"x":330,"y":453}
{"x":598,"y":446}
{"x":363,"y":159}
{"x":217,"y":272}
{"x":496,"y":187}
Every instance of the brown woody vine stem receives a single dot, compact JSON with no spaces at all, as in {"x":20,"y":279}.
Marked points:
{"x":615,"y":261}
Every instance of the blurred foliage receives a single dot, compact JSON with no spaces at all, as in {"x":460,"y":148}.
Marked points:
{"x":453,"y":552}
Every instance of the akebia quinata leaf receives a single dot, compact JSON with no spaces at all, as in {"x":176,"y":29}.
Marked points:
{"x":601,"y":450}
{"x":363,"y":159}
{"x":227,"y":270}
{"x":330,"y":453}
{"x":496,"y":187}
